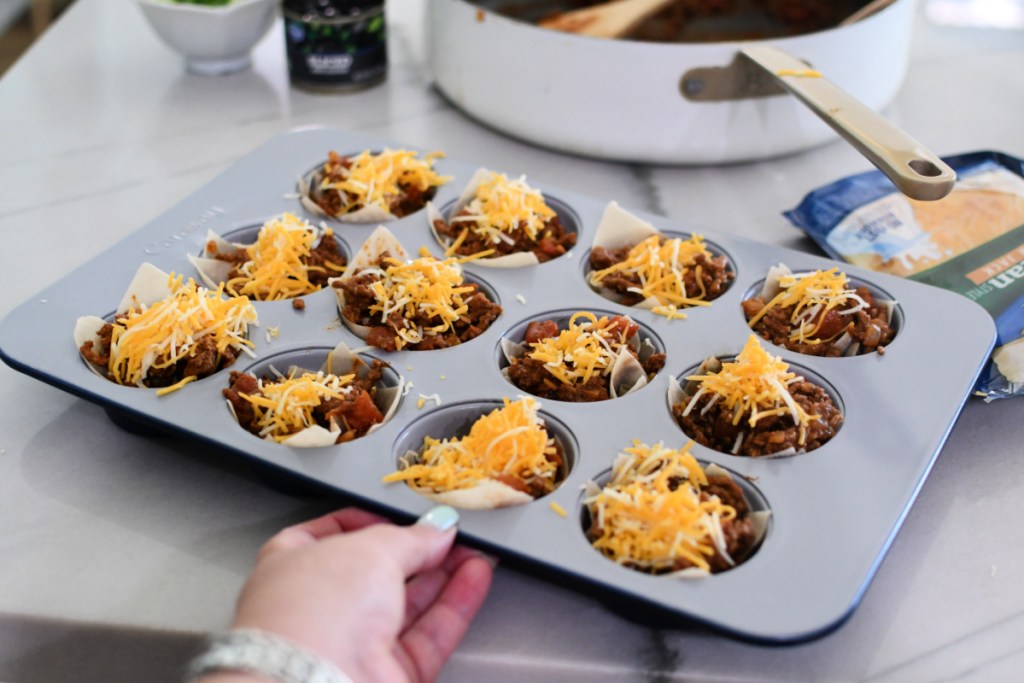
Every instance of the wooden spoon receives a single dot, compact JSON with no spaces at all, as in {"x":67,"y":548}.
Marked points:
{"x":866,"y":11}
{"x":609,"y":20}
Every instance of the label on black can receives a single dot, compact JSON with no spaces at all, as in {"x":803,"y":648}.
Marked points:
{"x":334,"y":50}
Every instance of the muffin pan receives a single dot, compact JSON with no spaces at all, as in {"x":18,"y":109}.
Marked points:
{"x":834,"y":511}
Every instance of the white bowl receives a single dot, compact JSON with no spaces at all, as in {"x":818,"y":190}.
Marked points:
{"x":214,"y":40}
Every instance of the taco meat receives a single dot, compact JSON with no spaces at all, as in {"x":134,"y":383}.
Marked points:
{"x":857,"y":315}
{"x":345,"y":404}
{"x":544,"y":369}
{"x":463,"y":313}
{"x":392,"y":180}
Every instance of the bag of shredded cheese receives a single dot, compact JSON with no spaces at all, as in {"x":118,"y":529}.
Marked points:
{"x":971,"y":242}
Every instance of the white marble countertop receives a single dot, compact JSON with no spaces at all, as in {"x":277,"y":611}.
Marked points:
{"x":116,"y":550}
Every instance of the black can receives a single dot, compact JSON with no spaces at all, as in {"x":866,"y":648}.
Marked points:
{"x":335,"y":45}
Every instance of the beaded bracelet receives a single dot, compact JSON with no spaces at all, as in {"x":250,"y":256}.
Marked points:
{"x":259,"y":652}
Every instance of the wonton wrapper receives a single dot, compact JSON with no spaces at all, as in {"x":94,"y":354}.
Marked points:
{"x":148,"y":286}
{"x":488,"y":494}
{"x":847,"y":344}
{"x":380,"y":240}
{"x":759,"y":518}
{"x":214,"y":271}
{"x":367,"y":214}
{"x":517,"y":260}
{"x":627,"y":374}
{"x":341,"y":360}
{"x":619,"y":228}
{"x":1009,"y":360}
{"x":678,"y":394}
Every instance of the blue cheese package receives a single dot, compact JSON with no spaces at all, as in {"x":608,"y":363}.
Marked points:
{"x":970,"y":242}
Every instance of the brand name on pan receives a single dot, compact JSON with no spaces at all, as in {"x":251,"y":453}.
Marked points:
{"x":174,"y":239}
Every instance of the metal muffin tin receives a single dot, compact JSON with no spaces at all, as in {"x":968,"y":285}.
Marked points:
{"x":835,"y":510}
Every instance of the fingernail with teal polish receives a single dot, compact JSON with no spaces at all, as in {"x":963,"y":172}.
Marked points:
{"x":442,"y":517}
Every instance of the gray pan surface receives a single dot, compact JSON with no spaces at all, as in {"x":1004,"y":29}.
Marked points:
{"x":834,"y":510}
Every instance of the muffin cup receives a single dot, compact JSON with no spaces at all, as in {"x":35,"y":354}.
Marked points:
{"x":681,"y":391}
{"x":340,"y":360}
{"x":627,"y":373}
{"x":519,"y":259}
{"x":148,"y":286}
{"x":380,"y":241}
{"x":618,"y":229}
{"x":771,"y":287}
{"x":456,"y":420}
{"x":213,"y":272}
{"x":760,"y":515}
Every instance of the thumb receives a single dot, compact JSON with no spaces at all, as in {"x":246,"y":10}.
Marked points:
{"x":425,"y":544}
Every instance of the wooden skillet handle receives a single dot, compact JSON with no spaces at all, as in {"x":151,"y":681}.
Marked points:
{"x":916,"y":172}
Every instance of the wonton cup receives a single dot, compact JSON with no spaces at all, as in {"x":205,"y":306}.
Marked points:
{"x":846,"y":344}
{"x":309,"y":186}
{"x":340,"y":361}
{"x":379,"y":242}
{"x":517,"y":259}
{"x":620,"y":229}
{"x":643,"y":515}
{"x":151,"y":286}
{"x":627,"y":372}
{"x":812,"y":430}
{"x":275,"y":286}
{"x":505,"y":443}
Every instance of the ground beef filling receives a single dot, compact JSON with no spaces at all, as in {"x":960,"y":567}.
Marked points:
{"x":326,"y":252}
{"x":538,"y":486}
{"x":771,"y":434}
{"x":412,"y":197}
{"x":739,"y":533}
{"x":203,"y":361}
{"x":715,"y":275}
{"x":724,"y":20}
{"x":529,"y":374}
{"x":869,"y":326}
{"x":355,"y":413}
{"x":481,"y":312}
{"x":552,"y":240}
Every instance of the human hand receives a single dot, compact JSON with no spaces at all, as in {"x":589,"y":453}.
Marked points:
{"x":385,"y":604}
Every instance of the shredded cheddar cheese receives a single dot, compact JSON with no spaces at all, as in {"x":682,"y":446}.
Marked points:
{"x":661,"y":265}
{"x":510,"y":440}
{"x":651,"y":515}
{"x":377,"y":179}
{"x":275,"y":269}
{"x":582,"y":350}
{"x":501,"y":206}
{"x":812,"y":295}
{"x":424,"y":287}
{"x":162,"y":391}
{"x":168,"y":331}
{"x":755,"y":386}
{"x":558,"y":509}
{"x":799,"y":73}
{"x":286,"y":406}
